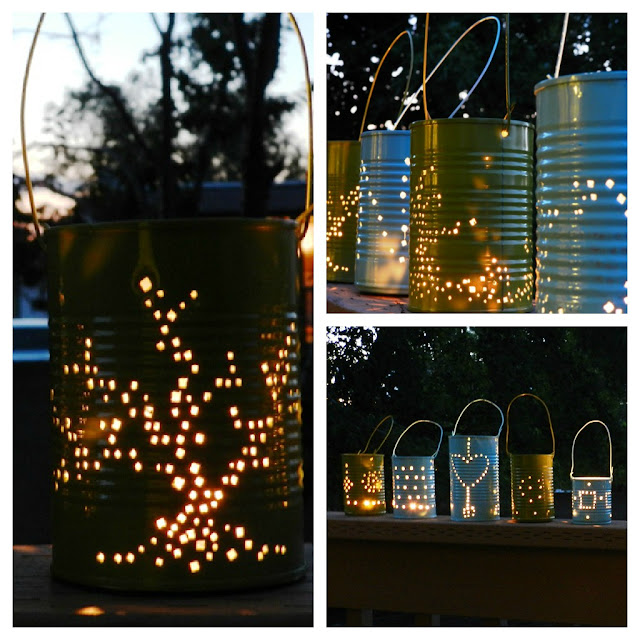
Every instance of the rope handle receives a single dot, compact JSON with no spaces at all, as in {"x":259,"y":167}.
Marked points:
{"x":302,"y":220}
{"x":480,"y":400}
{"x":553,"y":440}
{"x":366,"y":446}
{"x":375,"y":77}
{"x":410,"y":101}
{"x":411,"y":425}
{"x":610,"y":447}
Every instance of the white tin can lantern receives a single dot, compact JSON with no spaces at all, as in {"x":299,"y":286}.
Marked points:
{"x":473,"y":473}
{"x":414,"y":481}
{"x":591,"y":496}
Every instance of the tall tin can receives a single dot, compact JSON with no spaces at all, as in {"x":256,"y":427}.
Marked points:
{"x":532,"y":498}
{"x":591,"y":495}
{"x":343,"y":164}
{"x":581,"y":193}
{"x":471,"y":232}
{"x":176,"y":404}
{"x":414,"y":481}
{"x":382,"y":243}
{"x":474,"y":473}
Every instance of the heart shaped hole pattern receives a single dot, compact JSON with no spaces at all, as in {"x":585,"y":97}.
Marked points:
{"x":479,"y":466}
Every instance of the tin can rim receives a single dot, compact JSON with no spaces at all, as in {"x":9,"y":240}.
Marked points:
{"x":591,"y":76}
{"x":385,"y":132}
{"x":171,"y":225}
{"x":362,"y":455}
{"x":467,"y":122}
{"x":462,"y":436}
{"x":342,"y":142}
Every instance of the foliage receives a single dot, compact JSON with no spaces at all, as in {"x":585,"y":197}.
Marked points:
{"x":432,"y":373}
{"x":356,"y":43}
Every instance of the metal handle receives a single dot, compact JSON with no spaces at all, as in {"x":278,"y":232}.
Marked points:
{"x":610,"y":447}
{"x":375,"y":77}
{"x":553,"y":440}
{"x":411,"y":425}
{"x":366,"y":446}
{"x":480,"y":400}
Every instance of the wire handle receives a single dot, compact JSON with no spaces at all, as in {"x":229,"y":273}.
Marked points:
{"x":480,"y":400}
{"x":610,"y":447}
{"x":375,"y":77}
{"x":366,"y":446}
{"x":411,"y":425}
{"x":411,"y":99}
{"x":302,"y":220}
{"x":531,"y":395}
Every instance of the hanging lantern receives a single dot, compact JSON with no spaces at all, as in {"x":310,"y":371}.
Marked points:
{"x":581,"y":193}
{"x":473,"y":473}
{"x":363,"y":479}
{"x":382,"y":249}
{"x":532,"y":478}
{"x":591,"y":496}
{"x":176,"y":402}
{"x":471,"y":215}
{"x":343,"y":162}
{"x":414,"y":481}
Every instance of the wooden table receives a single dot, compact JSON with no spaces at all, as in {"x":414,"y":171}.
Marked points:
{"x":555,"y":572}
{"x":38,"y":600}
{"x":345,"y":298}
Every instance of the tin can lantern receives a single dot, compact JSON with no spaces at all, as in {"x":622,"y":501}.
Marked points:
{"x":363,"y":479}
{"x":414,"y":481}
{"x":474,"y":473}
{"x":176,"y":403}
{"x":471,"y":216}
{"x":532,"y":478}
{"x":581,"y":193}
{"x":591,"y":495}
{"x":382,"y":249}
{"x":343,"y":164}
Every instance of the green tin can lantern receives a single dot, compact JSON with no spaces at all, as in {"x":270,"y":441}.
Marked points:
{"x":363,"y":488}
{"x":175,"y":400}
{"x":532,"y":478}
{"x":591,"y":495}
{"x":343,"y":176}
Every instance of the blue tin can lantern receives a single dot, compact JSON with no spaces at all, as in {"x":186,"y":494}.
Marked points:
{"x":382,"y":244}
{"x":363,"y":488}
{"x":591,"y":496}
{"x":581,"y":193}
{"x":414,"y":481}
{"x":474,"y":473}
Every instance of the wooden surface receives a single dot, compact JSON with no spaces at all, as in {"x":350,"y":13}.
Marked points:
{"x":345,"y":298}
{"x":38,"y":600}
{"x":554,"y":572}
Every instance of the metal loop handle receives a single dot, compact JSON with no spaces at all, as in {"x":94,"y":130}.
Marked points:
{"x":480,"y":400}
{"x":375,"y":77}
{"x":366,"y":446}
{"x":446,"y":55}
{"x":610,"y":447}
{"x":553,"y":439}
{"x":411,"y":425}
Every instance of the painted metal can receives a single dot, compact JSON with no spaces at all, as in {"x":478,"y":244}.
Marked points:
{"x":581,"y":193}
{"x":591,"y":495}
{"x":414,"y":481}
{"x":532,"y":497}
{"x":474,"y":473}
{"x":343,"y":164}
{"x":176,"y":404}
{"x":471,"y":231}
{"x":382,"y":242}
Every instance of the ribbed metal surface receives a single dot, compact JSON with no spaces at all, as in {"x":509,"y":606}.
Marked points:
{"x":532,"y":487}
{"x":581,"y":193}
{"x":343,"y":162}
{"x":382,"y":249}
{"x":414,"y":486}
{"x":474,"y":476}
{"x":591,"y":500}
{"x":176,"y":404}
{"x":471,"y":232}
{"x":363,"y":484}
